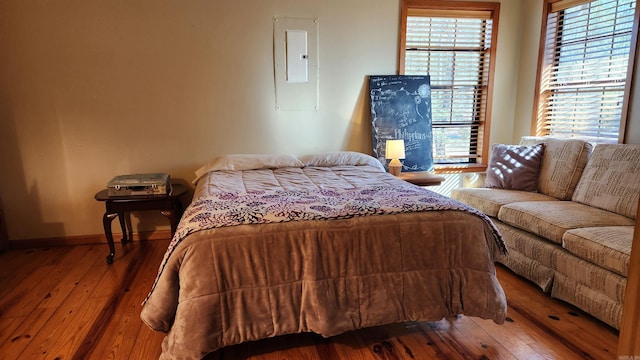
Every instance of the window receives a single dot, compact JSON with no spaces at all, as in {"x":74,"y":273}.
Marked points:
{"x":585,"y":69}
{"x":454,"y":43}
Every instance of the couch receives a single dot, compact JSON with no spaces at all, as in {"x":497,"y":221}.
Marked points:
{"x":571,"y":234}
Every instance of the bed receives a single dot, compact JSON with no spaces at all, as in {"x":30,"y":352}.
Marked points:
{"x":326,"y":243}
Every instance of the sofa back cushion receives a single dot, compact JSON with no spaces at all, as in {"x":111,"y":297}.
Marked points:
{"x":562,"y":165}
{"x":611,"y":179}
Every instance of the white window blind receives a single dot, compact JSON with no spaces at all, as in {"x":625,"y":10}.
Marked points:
{"x":584,"y":69}
{"x":454,"y":48}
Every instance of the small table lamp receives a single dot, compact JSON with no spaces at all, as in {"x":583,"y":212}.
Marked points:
{"x":395,"y":151}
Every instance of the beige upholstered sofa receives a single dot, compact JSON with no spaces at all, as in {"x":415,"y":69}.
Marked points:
{"x":572,"y":237}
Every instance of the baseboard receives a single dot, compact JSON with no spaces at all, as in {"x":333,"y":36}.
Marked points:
{"x":85,"y":239}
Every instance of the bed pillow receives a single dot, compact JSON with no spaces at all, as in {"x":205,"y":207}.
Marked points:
{"x":514,"y":167}
{"x":248,"y":162}
{"x":341,"y":158}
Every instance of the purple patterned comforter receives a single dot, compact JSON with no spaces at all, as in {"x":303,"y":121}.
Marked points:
{"x":340,"y":248}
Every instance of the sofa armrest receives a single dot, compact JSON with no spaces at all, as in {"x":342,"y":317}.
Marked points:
{"x":473,"y":180}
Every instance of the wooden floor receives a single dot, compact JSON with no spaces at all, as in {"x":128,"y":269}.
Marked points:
{"x":67,"y":303}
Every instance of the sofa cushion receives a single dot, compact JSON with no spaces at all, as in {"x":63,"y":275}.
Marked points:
{"x":551,"y":219}
{"x":607,"y":246}
{"x":611,"y":179}
{"x":562,"y":165}
{"x":489,"y":201}
{"x":514,"y":167}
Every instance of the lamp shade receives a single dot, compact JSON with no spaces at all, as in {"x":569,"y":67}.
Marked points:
{"x":394,"y":149}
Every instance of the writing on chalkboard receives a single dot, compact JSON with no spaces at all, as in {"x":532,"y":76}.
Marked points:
{"x":401,"y":109}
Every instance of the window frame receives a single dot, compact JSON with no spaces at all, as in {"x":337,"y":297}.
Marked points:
{"x":459,"y":9}
{"x":624,"y":113}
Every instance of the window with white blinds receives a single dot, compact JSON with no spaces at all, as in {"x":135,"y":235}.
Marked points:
{"x":454,"y":47}
{"x":584,"y":70}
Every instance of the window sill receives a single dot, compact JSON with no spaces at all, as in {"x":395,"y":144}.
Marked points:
{"x":459,"y":168}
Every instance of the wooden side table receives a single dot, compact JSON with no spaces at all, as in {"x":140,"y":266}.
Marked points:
{"x":421,"y":178}
{"x":169,"y":205}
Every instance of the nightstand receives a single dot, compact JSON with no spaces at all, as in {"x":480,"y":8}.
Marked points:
{"x":169,"y":205}
{"x":421,"y":178}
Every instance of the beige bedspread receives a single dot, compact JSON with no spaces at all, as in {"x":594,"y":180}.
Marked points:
{"x":226,"y":285}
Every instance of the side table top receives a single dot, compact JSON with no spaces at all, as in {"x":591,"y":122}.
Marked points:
{"x":176,"y":191}
{"x":421,"y":178}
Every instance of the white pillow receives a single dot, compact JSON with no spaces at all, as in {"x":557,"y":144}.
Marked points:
{"x":341,"y":158}
{"x":248,"y":162}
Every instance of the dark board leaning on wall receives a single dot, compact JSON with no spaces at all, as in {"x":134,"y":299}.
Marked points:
{"x":401,"y":109}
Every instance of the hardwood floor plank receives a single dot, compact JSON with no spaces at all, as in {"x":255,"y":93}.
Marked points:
{"x":7,"y":328}
{"x":114,"y":312}
{"x":414,"y":342}
{"x":64,"y":331}
{"x":75,"y":306}
{"x":481,"y":339}
{"x":525,"y":344}
{"x":117,"y":340}
{"x":398,"y":341}
{"x":12,"y":263}
{"x":566,"y":324}
{"x":34,"y":279}
{"x":45,"y":292}
{"x":402,"y":341}
{"x":522,"y":344}
{"x":447,"y":344}
{"x":148,"y":344}
{"x":336,"y":348}
{"x":72,"y":268}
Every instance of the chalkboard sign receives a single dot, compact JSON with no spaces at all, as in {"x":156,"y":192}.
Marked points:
{"x":401,"y":109}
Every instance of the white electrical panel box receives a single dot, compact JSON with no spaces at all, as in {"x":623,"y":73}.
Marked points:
{"x":295,"y":47}
{"x":297,"y":57}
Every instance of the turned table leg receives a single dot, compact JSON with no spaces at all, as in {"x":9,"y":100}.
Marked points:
{"x":106,"y":222}
{"x":173,"y":219}
{"x":125,"y":238}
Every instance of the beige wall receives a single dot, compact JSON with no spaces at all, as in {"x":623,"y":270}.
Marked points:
{"x":92,"y":89}
{"x":632,"y":134}
{"x":530,"y":17}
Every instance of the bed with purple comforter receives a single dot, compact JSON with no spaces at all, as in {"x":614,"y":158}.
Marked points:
{"x":326,"y":244}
